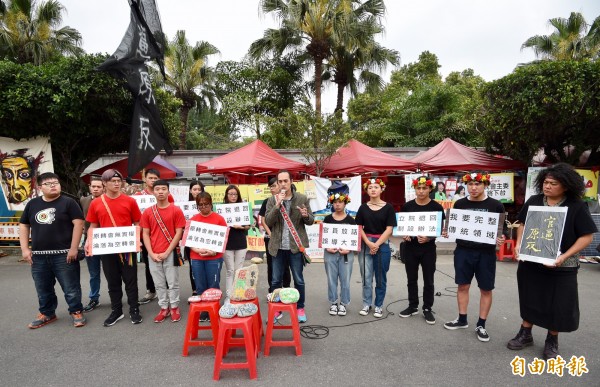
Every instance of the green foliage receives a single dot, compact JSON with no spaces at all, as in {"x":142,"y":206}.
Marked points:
{"x":85,"y":113}
{"x":208,"y":129}
{"x":417,"y":108}
{"x":549,"y":105}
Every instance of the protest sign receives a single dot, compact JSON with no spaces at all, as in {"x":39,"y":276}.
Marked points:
{"x":206,"y":236}
{"x":114,"y":240}
{"x":418,"y":224}
{"x":474,"y":226}
{"x":542,"y":234}
{"x":189,"y":208}
{"x":313,"y":250}
{"x":339,"y":236}
{"x":144,"y":201}
{"x":502,"y":187}
{"x":239,"y":214}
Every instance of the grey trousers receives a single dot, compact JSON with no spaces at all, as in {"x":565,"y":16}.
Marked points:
{"x":165,"y":274}
{"x":234,"y":259}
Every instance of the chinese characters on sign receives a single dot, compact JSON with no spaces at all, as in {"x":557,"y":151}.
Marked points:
{"x":189,"y":208}
{"x":114,"y":240}
{"x":207,"y":236}
{"x":501,"y":187}
{"x":475,"y":226}
{"x":339,"y":236}
{"x":542,"y":234}
{"x":418,"y":224}
{"x":314,"y":234}
{"x":9,"y":231}
{"x":239,"y":214}
{"x":575,"y":367}
{"x":144,"y":201}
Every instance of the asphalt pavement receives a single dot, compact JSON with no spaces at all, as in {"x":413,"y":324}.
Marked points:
{"x":353,"y":351}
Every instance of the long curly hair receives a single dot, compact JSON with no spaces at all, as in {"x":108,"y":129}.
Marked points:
{"x":566,"y":175}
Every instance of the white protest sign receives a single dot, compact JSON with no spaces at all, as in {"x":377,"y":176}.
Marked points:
{"x":474,"y":226}
{"x":542,"y":234}
{"x":189,"y":208}
{"x":180,"y":193}
{"x":313,"y":250}
{"x":339,"y":236}
{"x":239,"y":214}
{"x":144,"y":201}
{"x":207,"y":236}
{"x":114,"y":240}
{"x":426,"y":223}
{"x":501,"y":187}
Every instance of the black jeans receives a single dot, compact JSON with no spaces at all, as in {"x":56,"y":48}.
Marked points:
{"x":117,"y":270}
{"x":287,"y":276}
{"x":424,"y":255}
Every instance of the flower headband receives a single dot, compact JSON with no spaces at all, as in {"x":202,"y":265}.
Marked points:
{"x":339,"y":196}
{"x":422,"y":180}
{"x":374,"y":181}
{"x":480,"y":177}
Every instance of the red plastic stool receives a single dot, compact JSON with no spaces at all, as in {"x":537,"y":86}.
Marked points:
{"x":193,"y":325}
{"x":507,"y":250}
{"x":275,"y":307}
{"x":258,"y":328}
{"x":226,"y":328}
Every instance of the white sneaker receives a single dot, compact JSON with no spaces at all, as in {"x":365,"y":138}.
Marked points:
{"x":333,"y":309}
{"x":341,"y":310}
{"x":365,"y":310}
{"x":378,"y":312}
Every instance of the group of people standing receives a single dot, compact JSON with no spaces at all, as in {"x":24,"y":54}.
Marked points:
{"x":547,"y":294}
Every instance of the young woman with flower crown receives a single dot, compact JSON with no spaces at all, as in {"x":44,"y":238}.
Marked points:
{"x":420,"y":250}
{"x":377,"y":219}
{"x":338,"y":262}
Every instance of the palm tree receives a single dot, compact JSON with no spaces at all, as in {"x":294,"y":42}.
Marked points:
{"x":307,"y":27}
{"x":189,"y":77}
{"x":30,"y":32}
{"x":355,"y":48}
{"x":570,"y":41}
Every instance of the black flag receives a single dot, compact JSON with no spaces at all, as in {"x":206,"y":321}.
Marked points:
{"x":143,"y":41}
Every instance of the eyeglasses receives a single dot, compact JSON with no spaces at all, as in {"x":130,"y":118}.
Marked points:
{"x":51,"y":184}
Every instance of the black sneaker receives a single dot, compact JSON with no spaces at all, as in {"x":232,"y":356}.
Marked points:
{"x":93,"y":304}
{"x":134,"y":315}
{"x":482,"y":334}
{"x":429,"y":318}
{"x":115,"y":316}
{"x":408,"y":312}
{"x":452,"y":325}
{"x":149,"y":296}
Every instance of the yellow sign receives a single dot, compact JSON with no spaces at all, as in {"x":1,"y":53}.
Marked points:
{"x":590,"y":180}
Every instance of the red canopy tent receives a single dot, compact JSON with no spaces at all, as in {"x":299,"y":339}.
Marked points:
{"x":166,"y":169}
{"x":451,"y":156}
{"x":358,"y":158}
{"x":254,"y":159}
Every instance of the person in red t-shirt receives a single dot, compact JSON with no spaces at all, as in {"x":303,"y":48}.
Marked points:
{"x":124,"y":211}
{"x":151,"y":176}
{"x":206,"y":264}
{"x":163,"y":226}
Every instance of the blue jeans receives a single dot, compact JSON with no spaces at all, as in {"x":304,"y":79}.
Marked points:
{"x":296,"y":263}
{"x":46,"y":270}
{"x":374,"y":266}
{"x":93,"y":264}
{"x":207,"y":274}
{"x":338,"y":267}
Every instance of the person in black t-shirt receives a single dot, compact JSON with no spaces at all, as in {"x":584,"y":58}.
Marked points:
{"x":377,"y":219}
{"x":56,"y":225}
{"x":237,"y":245}
{"x":338,"y":261}
{"x":420,"y":250}
{"x":474,"y":258}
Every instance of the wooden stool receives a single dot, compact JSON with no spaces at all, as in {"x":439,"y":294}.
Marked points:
{"x":507,"y":250}
{"x":275,"y":307}
{"x":193,"y":325}
{"x":258,"y":328}
{"x":226,"y":328}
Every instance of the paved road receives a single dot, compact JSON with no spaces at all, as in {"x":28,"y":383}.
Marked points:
{"x":358,"y":351}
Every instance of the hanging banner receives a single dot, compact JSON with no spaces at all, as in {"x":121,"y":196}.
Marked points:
{"x":189,"y":208}
{"x":542,"y":234}
{"x":206,"y":236}
{"x":339,"y":236}
{"x":325,"y":187}
{"x":418,"y":224}
{"x":475,"y":226}
{"x":115,"y":240}
{"x":9,"y":231}
{"x":236,"y":214}
{"x":257,"y":193}
{"x":502,"y":187}
{"x":20,"y":163}
{"x":590,"y":181}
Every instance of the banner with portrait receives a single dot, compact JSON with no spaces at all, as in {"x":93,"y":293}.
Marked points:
{"x":542,"y":234}
{"x":321,"y":207}
{"x":20,"y":163}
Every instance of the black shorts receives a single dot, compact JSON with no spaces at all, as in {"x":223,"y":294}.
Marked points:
{"x":475,"y":262}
